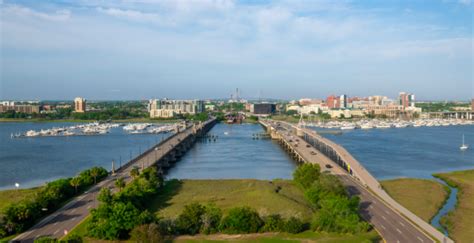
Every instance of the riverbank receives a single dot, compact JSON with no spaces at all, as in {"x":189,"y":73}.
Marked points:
{"x":421,"y":196}
{"x":460,"y":222}
{"x":8,"y":197}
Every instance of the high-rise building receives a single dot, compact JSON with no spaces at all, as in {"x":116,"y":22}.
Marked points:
{"x":80,"y":105}
{"x":332,"y":102}
{"x":343,"y":101}
{"x":168,"y":108}
{"x":406,"y":100}
{"x":264,"y":109}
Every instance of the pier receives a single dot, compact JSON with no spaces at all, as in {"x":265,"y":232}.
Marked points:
{"x":161,"y":155}
{"x":394,"y":222}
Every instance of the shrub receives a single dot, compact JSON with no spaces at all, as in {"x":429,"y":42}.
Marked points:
{"x":339,"y":214}
{"x":241,"y":220}
{"x":147,"y":233}
{"x":273,"y":223}
{"x":167,"y":227}
{"x":293,"y":225}
{"x":45,"y":239}
{"x":189,"y":221}
{"x":306,"y":174}
{"x":210,"y":219}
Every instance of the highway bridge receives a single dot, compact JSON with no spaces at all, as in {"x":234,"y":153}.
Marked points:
{"x":161,"y":155}
{"x":393,"y":222}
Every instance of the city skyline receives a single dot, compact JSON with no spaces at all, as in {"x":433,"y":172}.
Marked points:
{"x":136,"y":50}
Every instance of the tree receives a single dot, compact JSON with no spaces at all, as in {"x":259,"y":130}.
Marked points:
{"x":211,"y":219}
{"x":135,"y":172}
{"x":189,"y":221}
{"x":105,"y":195}
{"x":273,"y":223}
{"x":241,"y":220}
{"x":306,"y":174}
{"x":75,"y":182}
{"x":120,"y":183}
{"x":146,"y":233}
{"x":94,"y":173}
{"x":293,"y":225}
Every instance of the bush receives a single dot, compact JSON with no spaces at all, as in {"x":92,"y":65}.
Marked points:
{"x":147,"y":233}
{"x":45,"y":239}
{"x":306,"y":174}
{"x":273,"y":223}
{"x":189,"y":221}
{"x":241,"y":220}
{"x":293,"y":226}
{"x":211,"y":219}
{"x":167,"y":227}
{"x":339,"y":214}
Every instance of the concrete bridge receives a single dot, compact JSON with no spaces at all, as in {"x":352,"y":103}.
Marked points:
{"x":394,"y":222}
{"x":162,"y":155}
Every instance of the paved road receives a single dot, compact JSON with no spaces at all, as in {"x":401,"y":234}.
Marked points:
{"x":389,"y":223}
{"x":65,"y":219}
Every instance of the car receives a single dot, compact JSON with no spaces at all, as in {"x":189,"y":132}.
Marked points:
{"x":308,"y":146}
{"x":313,"y":153}
{"x":328,"y":166}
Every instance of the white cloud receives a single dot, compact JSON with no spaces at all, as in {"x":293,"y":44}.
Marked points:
{"x":19,"y":11}
{"x":465,"y":2}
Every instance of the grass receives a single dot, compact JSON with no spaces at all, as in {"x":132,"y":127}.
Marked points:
{"x":8,"y":197}
{"x":422,"y":197}
{"x":226,"y":194}
{"x":307,"y":236}
{"x":460,"y":222}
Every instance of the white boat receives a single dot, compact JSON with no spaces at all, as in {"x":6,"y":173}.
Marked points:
{"x":366,"y":126}
{"x":463,"y":146}
{"x":348,"y":128}
{"x":31,"y":133}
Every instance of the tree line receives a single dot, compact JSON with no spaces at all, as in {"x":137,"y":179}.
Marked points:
{"x":20,"y":216}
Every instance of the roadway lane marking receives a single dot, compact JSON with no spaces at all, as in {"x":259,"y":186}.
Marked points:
{"x":55,"y":232}
{"x":55,"y":224}
{"x":387,"y":212}
{"x":419,"y":239}
{"x":384,"y":217}
{"x":383,"y":227}
{"x":399,"y":231}
{"x":371,"y":207}
{"x":89,"y":206}
{"x":402,"y":224}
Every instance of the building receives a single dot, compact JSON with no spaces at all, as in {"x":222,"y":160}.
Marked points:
{"x":332,"y":102}
{"x":169,"y":108}
{"x":79,"y":105}
{"x":406,"y":99}
{"x":472,"y":104}
{"x":343,"y":101}
{"x":28,"y":109}
{"x":264,"y":109}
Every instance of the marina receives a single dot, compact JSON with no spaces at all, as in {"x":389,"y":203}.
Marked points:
{"x":96,"y":128}
{"x":387,"y":123}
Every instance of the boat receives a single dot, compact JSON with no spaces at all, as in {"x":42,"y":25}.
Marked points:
{"x":348,"y":128}
{"x":463,"y":146}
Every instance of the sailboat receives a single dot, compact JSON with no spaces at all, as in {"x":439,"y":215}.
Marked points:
{"x":463,"y":146}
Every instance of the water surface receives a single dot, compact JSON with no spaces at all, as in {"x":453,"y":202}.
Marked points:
{"x":33,"y":161}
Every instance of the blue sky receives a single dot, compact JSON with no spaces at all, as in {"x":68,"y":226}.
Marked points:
{"x":140,"y":49}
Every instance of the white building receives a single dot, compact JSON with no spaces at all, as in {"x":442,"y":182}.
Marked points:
{"x":169,"y":108}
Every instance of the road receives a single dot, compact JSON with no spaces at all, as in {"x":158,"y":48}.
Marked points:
{"x":66,"y":218}
{"x":389,"y":223}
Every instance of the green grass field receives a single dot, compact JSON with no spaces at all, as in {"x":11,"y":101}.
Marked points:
{"x":423,"y":197}
{"x":12,"y":196}
{"x":226,"y":194}
{"x":307,"y":236}
{"x":460,"y":222}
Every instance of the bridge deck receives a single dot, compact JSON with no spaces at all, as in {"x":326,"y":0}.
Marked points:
{"x":74,"y":212}
{"x":377,"y":207}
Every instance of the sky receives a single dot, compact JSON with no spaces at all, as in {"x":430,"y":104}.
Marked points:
{"x":196,"y":49}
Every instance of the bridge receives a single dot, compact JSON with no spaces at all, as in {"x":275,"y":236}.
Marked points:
{"x":162,"y":155}
{"x":394,"y":222}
